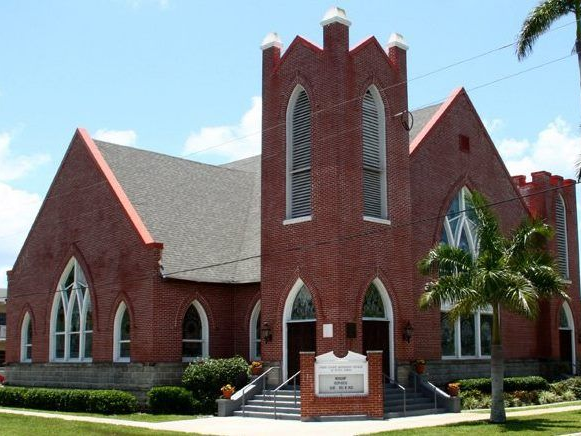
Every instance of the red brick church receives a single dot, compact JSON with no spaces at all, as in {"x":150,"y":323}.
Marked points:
{"x":138,"y":261}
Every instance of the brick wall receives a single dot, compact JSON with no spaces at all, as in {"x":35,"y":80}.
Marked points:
{"x":313,"y":406}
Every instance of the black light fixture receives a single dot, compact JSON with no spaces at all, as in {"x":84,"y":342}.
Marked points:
{"x":266,"y":333}
{"x":408,"y":332}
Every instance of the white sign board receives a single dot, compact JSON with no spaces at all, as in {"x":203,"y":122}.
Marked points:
{"x":338,"y":377}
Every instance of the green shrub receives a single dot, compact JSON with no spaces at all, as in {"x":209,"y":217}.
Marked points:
{"x":511,"y":384}
{"x":474,"y":399}
{"x":572,"y":385}
{"x":170,"y":399}
{"x":205,"y":378}
{"x":547,"y":397}
{"x":69,"y":400}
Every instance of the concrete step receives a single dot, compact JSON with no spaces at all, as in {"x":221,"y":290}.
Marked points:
{"x":269,"y":409}
{"x":418,"y":406}
{"x":269,"y":415}
{"x":409,"y":401}
{"x":257,"y":402}
{"x":268,"y":397}
{"x":395,"y":414}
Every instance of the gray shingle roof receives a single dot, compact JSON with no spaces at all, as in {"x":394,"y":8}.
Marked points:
{"x":206,"y":216}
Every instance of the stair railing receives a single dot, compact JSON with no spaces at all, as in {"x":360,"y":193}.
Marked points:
{"x":400,"y":387}
{"x":435,"y":389}
{"x":253,"y":383}
{"x":294,"y":378}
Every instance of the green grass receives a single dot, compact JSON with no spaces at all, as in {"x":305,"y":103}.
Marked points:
{"x":19,"y":425}
{"x":549,"y":424}
{"x":141,"y":417}
{"x":535,"y":407}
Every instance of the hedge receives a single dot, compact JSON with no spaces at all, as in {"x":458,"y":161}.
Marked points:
{"x":171,"y":399}
{"x":205,"y":378}
{"x":511,"y":384}
{"x":69,"y":400}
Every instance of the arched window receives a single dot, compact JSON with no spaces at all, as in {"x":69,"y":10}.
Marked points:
{"x":561,"y":236}
{"x":26,"y":339}
{"x":71,"y":320}
{"x":469,"y":336}
{"x":373,"y":307}
{"x":254,"y":339}
{"x":122,"y":335}
{"x":303,"y":307}
{"x":298,"y":155}
{"x":374,"y":156}
{"x":194,"y":333}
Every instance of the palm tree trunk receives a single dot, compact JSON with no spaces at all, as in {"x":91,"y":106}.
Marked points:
{"x":497,"y":413}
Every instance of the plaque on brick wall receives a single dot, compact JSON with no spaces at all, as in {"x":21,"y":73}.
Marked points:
{"x":338,"y":377}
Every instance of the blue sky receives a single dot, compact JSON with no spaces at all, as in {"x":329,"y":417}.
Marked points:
{"x":179,"y":76}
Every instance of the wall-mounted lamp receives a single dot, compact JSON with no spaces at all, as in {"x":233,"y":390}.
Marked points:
{"x":408,"y":332}
{"x":266,"y":333}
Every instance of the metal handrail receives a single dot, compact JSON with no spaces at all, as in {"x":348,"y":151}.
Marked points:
{"x":294,"y":378}
{"x":436,"y":391}
{"x":390,"y":380}
{"x":253,"y":383}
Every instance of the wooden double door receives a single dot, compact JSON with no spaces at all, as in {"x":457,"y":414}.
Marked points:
{"x":301,"y":336}
{"x":376,"y":338}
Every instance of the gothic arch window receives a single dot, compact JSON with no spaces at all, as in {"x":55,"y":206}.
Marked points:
{"x":122,"y":335}
{"x":254,"y":339}
{"x":303,"y":307}
{"x":195,"y":333}
{"x":26,"y":339}
{"x":298,"y":168}
{"x":373,"y":307}
{"x":71,"y":324}
{"x":561,"y":236}
{"x":468,"y":336}
{"x":374,"y":155}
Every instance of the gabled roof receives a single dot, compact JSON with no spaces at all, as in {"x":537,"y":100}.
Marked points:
{"x":207,"y":217}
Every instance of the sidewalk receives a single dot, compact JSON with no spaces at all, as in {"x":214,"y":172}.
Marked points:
{"x":257,"y":427}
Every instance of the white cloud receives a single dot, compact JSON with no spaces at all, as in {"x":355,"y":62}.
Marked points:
{"x":122,"y":137}
{"x":556,"y":149}
{"x":493,"y":125}
{"x":14,"y":167}
{"x":3,"y":279}
{"x":228,"y":143}
{"x":163,"y":4}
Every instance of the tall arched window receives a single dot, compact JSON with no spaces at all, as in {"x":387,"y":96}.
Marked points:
{"x":303,"y":306}
{"x":254,"y":339}
{"x":195,"y":333}
{"x":298,"y":155}
{"x":373,"y":307}
{"x":122,"y":335}
{"x":469,"y":336}
{"x":374,"y":155}
{"x":561,"y":236}
{"x":71,"y":319}
{"x":26,"y":339}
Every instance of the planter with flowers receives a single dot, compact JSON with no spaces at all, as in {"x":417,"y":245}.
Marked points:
{"x":453,"y":389}
{"x":227,"y":391}
{"x":419,"y":366}
{"x":256,"y":367}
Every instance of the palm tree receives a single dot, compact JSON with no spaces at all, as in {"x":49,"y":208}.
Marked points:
{"x":512,"y":274}
{"x":539,"y":21}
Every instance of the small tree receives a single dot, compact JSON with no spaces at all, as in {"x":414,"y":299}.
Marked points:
{"x":512,"y":274}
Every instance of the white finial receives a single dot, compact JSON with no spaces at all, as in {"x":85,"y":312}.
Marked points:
{"x":335,"y":15}
{"x":271,"y":40}
{"x":396,"y":40}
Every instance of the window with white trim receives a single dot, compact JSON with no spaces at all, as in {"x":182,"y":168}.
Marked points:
{"x":374,"y":155}
{"x":561,"y":236}
{"x":303,"y":307}
{"x":469,"y":336}
{"x":122,"y":335}
{"x":194,"y":333}
{"x":255,"y":339}
{"x":26,"y":339}
{"x":71,"y":326}
{"x":298,"y":155}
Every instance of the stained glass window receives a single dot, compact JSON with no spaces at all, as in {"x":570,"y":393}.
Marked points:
{"x":563,"y":319}
{"x":373,"y":304}
{"x":26,"y":339}
{"x":303,"y":307}
{"x":192,"y":334}
{"x":122,"y":335}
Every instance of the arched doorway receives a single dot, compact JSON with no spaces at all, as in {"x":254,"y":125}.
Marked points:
{"x":567,"y":339}
{"x":377,"y":325}
{"x":300,"y":327}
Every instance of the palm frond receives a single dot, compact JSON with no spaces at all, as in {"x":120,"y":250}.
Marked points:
{"x":489,"y":235}
{"x":539,"y":21}
{"x":444,"y":259}
{"x":446,"y":289}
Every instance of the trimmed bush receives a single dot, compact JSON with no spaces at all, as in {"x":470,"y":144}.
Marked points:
{"x":511,"y":384}
{"x":170,"y":399}
{"x":205,"y":378}
{"x":572,"y":384}
{"x":69,"y":400}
